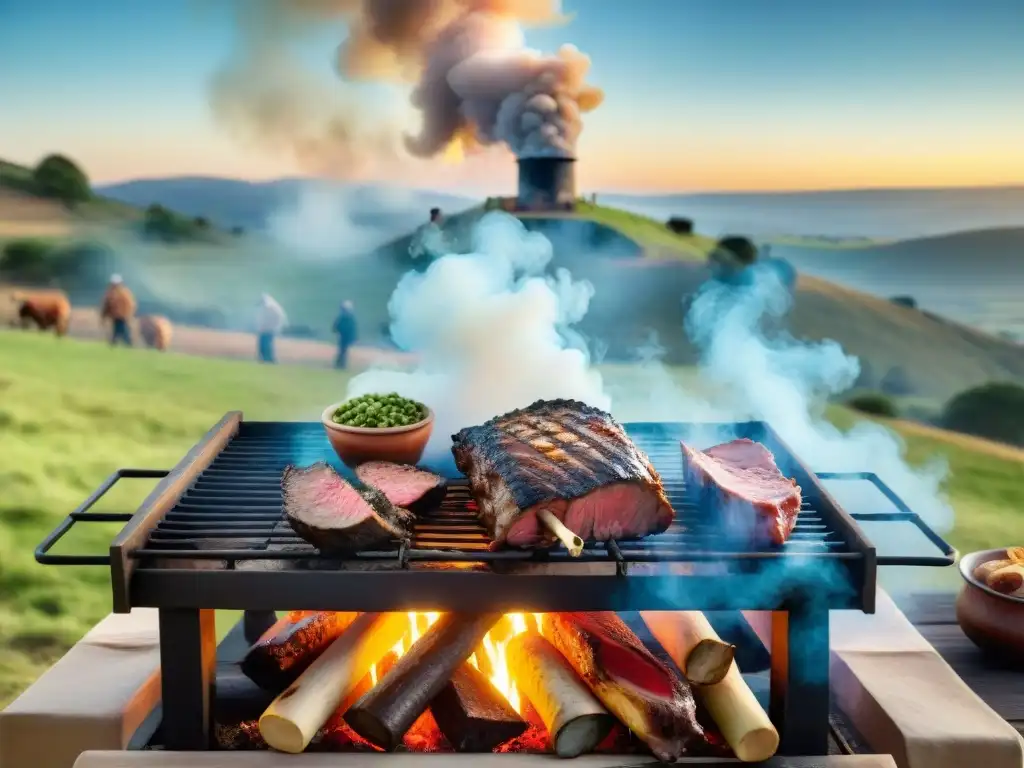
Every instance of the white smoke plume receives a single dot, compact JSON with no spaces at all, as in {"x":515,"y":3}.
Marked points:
{"x":491,"y":334}
{"x":489,"y":329}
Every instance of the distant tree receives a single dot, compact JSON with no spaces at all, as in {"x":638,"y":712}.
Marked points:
{"x":896,"y":382}
{"x":26,"y":261}
{"x":874,"y":403}
{"x":201,"y":222}
{"x":680,"y":225}
{"x":994,"y":410}
{"x":904,"y":301}
{"x":742,"y":249}
{"x":60,"y":178}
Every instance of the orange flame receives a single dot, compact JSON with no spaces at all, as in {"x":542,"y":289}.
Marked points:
{"x":495,"y":662}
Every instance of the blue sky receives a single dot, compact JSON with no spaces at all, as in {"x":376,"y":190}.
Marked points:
{"x":701,"y":94}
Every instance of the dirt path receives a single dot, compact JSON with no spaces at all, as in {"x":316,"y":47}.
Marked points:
{"x":208,"y":342}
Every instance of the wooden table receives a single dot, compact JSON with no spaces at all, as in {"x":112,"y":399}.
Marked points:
{"x":934,"y":615}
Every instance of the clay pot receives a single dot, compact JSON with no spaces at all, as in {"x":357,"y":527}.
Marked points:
{"x":357,"y":445}
{"x":994,"y":622}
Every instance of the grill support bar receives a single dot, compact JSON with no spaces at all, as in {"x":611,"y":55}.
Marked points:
{"x":799,"y":694}
{"x":188,"y":661}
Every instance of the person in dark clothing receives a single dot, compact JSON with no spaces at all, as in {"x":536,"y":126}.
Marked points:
{"x":347,"y":329}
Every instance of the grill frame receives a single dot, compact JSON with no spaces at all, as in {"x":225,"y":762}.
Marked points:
{"x":187,"y":596}
{"x":150,"y":567}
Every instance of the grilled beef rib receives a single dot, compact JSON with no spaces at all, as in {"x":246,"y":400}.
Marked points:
{"x":565,"y":456}
{"x":404,"y":485}
{"x":333,"y":516}
{"x":741,"y":479}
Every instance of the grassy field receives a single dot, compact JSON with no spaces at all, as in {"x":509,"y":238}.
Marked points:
{"x":71,"y":412}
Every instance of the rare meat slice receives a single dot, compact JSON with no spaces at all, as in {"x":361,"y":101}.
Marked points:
{"x":648,"y":697}
{"x":569,"y":458}
{"x":404,"y":485}
{"x":325,"y":510}
{"x":740,"y":479}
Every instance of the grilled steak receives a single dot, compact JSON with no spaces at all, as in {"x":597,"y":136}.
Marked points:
{"x":405,"y":486}
{"x":740,"y":479}
{"x":569,"y":458}
{"x":335,"y":517}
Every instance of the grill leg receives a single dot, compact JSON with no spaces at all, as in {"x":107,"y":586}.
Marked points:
{"x":188,"y":659}
{"x":799,"y":704}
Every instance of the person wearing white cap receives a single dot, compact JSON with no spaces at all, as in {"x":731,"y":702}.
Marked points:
{"x":119,"y":308}
{"x":270,"y":321}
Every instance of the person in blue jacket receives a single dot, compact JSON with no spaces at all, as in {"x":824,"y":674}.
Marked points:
{"x":348,"y":330}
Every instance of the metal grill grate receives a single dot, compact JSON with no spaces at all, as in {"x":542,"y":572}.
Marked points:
{"x":233,"y":510}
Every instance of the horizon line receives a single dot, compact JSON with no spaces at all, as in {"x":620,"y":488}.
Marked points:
{"x":619,"y":193}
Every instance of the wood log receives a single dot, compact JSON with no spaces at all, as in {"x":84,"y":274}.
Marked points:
{"x":296,"y":715}
{"x":291,"y":644}
{"x":732,"y":705}
{"x":384,"y":714}
{"x":698,"y":650}
{"x":474,"y":715}
{"x":575,"y":720}
{"x":646,"y":695}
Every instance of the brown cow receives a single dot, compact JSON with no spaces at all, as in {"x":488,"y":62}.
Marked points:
{"x":46,"y":310}
{"x":156,"y":331}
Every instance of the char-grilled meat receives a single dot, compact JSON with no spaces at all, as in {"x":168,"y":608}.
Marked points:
{"x":742,"y":482}
{"x":405,"y":486}
{"x":565,"y":456}
{"x":333,"y":516}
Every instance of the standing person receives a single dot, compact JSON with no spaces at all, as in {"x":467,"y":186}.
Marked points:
{"x":270,"y":321}
{"x":347,"y":329}
{"x":119,"y":308}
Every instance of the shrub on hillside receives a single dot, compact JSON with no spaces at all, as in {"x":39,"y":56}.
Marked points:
{"x":904,"y":301}
{"x":60,"y":178}
{"x":680,"y":225}
{"x":739,"y":249}
{"x":994,"y":411}
{"x":27,"y":261}
{"x":896,"y":382}
{"x":874,"y":403}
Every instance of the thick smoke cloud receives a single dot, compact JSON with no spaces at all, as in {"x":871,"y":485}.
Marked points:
{"x":268,"y":99}
{"x":474,"y":82}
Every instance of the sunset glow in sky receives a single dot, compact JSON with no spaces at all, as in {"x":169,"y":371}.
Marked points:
{"x":700,"y":94}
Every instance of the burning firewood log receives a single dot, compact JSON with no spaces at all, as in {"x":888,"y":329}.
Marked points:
{"x":575,"y":720}
{"x":730,"y":702}
{"x":700,"y":653}
{"x":287,"y":649}
{"x":384,"y":714}
{"x":648,"y":697}
{"x":472,"y":714}
{"x":295,"y":716}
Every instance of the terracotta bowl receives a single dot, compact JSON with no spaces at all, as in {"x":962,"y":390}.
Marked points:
{"x":993,"y":622}
{"x":356,"y":445}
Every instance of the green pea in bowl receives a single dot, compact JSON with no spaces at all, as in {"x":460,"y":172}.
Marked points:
{"x":378,"y":427}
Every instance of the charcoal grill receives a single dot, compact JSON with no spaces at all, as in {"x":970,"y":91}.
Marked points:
{"x":212,"y":536}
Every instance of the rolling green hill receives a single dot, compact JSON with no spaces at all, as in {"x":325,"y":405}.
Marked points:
{"x":71,"y":412}
{"x":26,"y":213}
{"x":642,"y":273}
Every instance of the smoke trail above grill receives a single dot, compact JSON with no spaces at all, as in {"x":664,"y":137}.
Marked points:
{"x":476,"y":82}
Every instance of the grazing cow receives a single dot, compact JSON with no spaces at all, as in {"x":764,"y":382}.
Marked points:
{"x":45,"y":310}
{"x":156,"y":331}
